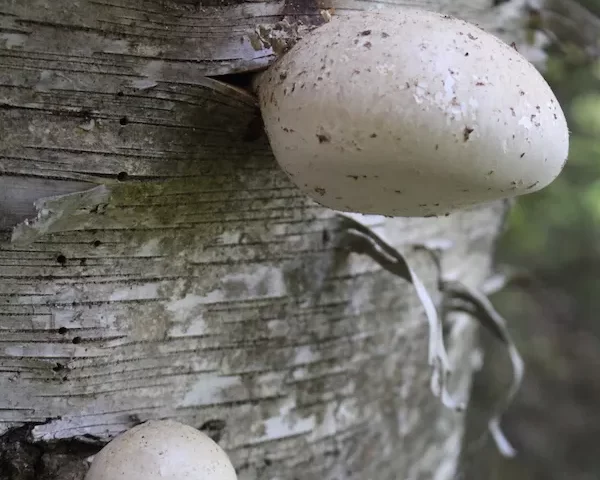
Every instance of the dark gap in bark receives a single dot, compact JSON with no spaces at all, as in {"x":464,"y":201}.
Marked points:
{"x":23,"y":459}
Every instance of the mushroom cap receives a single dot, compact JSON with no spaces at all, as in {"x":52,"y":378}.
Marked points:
{"x":162,"y":450}
{"x":410,"y":113}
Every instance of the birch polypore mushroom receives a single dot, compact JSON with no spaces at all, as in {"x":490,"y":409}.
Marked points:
{"x":410,"y":113}
{"x":162,"y":450}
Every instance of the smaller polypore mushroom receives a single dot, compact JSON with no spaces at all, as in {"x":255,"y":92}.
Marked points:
{"x":162,"y":450}
{"x":410,"y":113}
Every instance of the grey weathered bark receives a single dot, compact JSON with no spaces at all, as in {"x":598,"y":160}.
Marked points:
{"x":182,"y":275}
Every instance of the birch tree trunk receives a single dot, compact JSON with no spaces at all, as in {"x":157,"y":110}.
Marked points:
{"x":168,"y":269}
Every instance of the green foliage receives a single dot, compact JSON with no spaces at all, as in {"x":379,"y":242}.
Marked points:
{"x":585,"y":112}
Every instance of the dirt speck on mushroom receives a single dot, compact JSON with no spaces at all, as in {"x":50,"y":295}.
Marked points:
{"x":467,"y":133}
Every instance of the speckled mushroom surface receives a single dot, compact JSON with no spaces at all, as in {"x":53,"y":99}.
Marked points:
{"x":410,"y":113}
{"x":162,"y":450}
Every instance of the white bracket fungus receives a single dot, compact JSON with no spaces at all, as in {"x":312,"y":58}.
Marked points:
{"x":162,"y":450}
{"x":410,"y":113}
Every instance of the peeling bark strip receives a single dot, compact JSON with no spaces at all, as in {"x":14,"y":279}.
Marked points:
{"x":173,"y":271}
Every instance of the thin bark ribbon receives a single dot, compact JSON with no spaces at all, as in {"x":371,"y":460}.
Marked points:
{"x":360,"y":239}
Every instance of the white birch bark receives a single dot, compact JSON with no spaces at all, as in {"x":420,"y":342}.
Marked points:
{"x":184,"y":276}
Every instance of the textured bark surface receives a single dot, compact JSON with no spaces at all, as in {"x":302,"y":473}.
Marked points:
{"x":183,"y":276}
{"x":175,"y":39}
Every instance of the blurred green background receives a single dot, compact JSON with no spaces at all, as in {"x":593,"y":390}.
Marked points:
{"x":552,"y":302}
